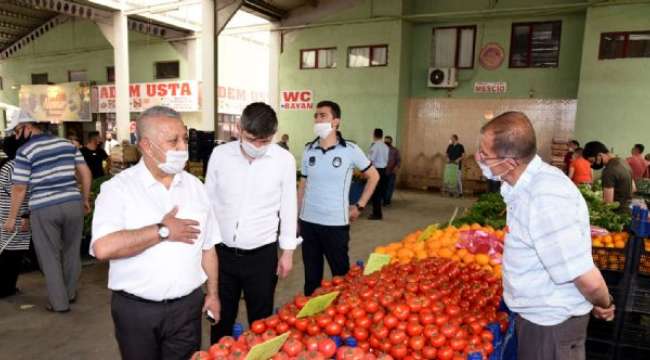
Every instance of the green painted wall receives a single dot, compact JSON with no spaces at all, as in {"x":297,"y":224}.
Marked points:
{"x":614,"y":95}
{"x":369,"y":97}
{"x":547,"y":83}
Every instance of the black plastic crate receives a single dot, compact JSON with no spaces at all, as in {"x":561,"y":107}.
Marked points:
{"x":635,"y":331}
{"x":632,"y":353}
{"x":599,"y":350}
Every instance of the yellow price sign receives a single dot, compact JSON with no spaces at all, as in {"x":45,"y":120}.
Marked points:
{"x":267,"y":349}
{"x":317,"y":304}
{"x":375,"y":263}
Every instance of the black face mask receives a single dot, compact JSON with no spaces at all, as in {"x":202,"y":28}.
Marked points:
{"x":388,"y":143}
{"x":597,"y":165}
{"x":10,"y":145}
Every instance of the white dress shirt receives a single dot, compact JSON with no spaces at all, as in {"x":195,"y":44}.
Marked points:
{"x":134,"y":199}
{"x":548,"y":246}
{"x":378,"y":154}
{"x":253,"y":199}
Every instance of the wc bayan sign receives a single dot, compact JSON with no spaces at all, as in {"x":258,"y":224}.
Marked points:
{"x":296,"y":100}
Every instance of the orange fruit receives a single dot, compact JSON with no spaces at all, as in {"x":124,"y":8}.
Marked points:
{"x":482,"y":259}
{"x":405,"y":253}
{"x":445,"y":253}
{"x":381,"y":250}
{"x":476,"y":226}
{"x":421,"y":254}
{"x":619,"y":244}
{"x":468,"y":259}
{"x":462,"y":252}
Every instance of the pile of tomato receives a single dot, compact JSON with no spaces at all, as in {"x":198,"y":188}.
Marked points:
{"x":430,"y":309}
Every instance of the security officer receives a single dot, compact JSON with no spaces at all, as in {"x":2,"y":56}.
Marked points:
{"x":323,"y":196}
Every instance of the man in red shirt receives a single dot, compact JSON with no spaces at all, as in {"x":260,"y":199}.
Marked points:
{"x":637,"y":162}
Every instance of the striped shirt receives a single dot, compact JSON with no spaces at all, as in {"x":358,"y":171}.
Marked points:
{"x":47,"y":164}
{"x":548,"y":246}
{"x":21,"y":240}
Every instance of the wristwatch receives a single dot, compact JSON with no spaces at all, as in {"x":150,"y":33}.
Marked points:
{"x":359,"y":207}
{"x":163,"y":232}
{"x":611,"y":301}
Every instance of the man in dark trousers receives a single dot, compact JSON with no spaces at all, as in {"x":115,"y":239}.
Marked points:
{"x":154,"y":222}
{"x":323,"y":196}
{"x":394,"y":163}
{"x":455,"y":153}
{"x":94,"y":155}
{"x":378,"y":156}
{"x":251,"y":184}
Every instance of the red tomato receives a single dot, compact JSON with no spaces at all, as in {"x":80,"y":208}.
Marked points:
{"x":429,"y":352}
{"x":417,"y":342}
{"x":442,"y":320}
{"x":438,"y":340}
{"x":449,"y":330}
{"x":390,"y":321}
{"x":397,"y":337}
{"x":323,"y":320}
{"x":258,"y":326}
{"x":333,"y":329}
{"x":330,"y":311}
{"x":378,"y":316}
{"x":430,"y":331}
{"x":272,"y":321}
{"x":313,"y":329}
{"x":360,"y":334}
{"x":458,"y":344}
{"x":452,"y":310}
{"x":301,"y":324}
{"x":488,"y":348}
{"x":475,"y":328}
{"x":357,"y":313}
{"x":227,"y":340}
{"x":337,"y":280}
{"x":343,"y":309}
{"x":414,"y":329}
{"x":363,"y":322}
{"x":218,"y":350}
{"x":311,"y":344}
{"x":427,"y":317}
{"x":445,"y":353}
{"x":300,"y":301}
{"x":292,"y":347}
{"x":380,"y":331}
{"x":280,"y":356}
{"x":310,"y":355}
{"x":327,"y":347}
{"x":401,"y":311}
{"x":269,"y":334}
{"x":487,"y":336}
{"x":371,"y":307}
{"x":326,"y":284}
{"x":364,"y":345}
{"x":282,"y":327}
{"x":339,"y":319}
{"x":399,"y":351}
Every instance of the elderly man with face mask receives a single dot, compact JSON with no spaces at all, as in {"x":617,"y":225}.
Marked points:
{"x":549,"y":277}
{"x":252,"y":186}
{"x":154,"y":223}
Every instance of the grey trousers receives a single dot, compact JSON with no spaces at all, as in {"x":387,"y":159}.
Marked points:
{"x":564,"y":341}
{"x":56,"y":232}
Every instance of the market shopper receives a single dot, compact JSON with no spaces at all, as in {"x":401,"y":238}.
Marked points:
{"x":549,"y":277}
{"x":53,"y":171}
{"x":109,"y":143}
{"x":378,"y":156}
{"x":251,"y":185}
{"x":13,"y":246}
{"x":580,"y":171}
{"x":455,"y":154}
{"x":284,"y":142}
{"x":94,"y":155}
{"x":154,"y":223}
{"x":568,"y":157}
{"x":393,"y":166}
{"x":324,"y":206}
{"x":637,"y":162}
{"x":618,"y":185}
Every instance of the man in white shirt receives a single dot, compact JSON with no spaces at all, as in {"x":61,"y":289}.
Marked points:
{"x":549,"y":277}
{"x":109,"y":143}
{"x":251,"y":184}
{"x":154,"y":223}
{"x":378,"y":155}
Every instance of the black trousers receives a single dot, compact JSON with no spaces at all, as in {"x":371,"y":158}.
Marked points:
{"x":379,"y":194}
{"x":254,"y":273}
{"x":157,"y":330}
{"x":10,"y":262}
{"x":321,"y":240}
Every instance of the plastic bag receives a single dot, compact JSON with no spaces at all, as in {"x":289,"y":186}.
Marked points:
{"x":597,"y":231}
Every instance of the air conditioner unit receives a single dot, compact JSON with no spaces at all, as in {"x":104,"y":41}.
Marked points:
{"x":442,"y":78}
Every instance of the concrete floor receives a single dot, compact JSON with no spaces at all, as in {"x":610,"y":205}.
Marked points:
{"x":28,"y":331}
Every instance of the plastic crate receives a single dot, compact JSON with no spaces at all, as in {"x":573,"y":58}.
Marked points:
{"x":610,"y":259}
{"x":636,"y":330}
{"x":644,"y":259}
{"x":633,"y":353}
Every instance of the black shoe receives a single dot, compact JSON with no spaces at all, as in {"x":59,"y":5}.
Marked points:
{"x":387,"y":204}
{"x":51,"y":309}
{"x":374,"y":217}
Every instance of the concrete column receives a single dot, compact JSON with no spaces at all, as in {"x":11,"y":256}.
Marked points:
{"x":121,"y":57}
{"x":274,"y":69}
{"x":208,"y":65}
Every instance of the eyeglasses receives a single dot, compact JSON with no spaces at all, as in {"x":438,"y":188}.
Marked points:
{"x":484,"y":158}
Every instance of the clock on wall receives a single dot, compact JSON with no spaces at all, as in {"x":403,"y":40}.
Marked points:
{"x":491,"y":56}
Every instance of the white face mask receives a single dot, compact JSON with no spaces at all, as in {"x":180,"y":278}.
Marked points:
{"x":175,"y":161}
{"x":322,"y":130}
{"x":253,"y":151}
{"x":487,"y":172}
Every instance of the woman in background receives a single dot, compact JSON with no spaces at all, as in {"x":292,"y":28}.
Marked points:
{"x":13,"y":247}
